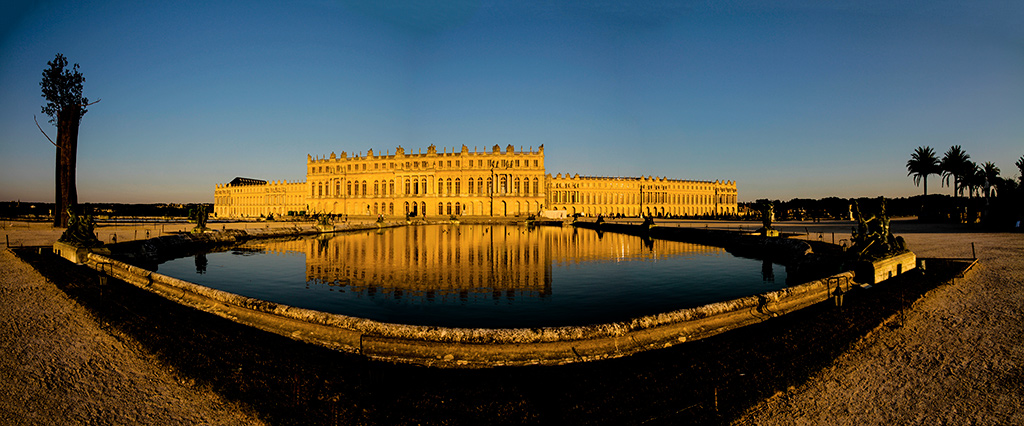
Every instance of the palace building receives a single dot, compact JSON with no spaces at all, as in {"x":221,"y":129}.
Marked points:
{"x":498,"y":183}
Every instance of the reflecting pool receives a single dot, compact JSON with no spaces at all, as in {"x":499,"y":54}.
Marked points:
{"x":490,"y":276}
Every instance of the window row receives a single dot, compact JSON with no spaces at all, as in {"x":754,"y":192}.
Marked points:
{"x":415,"y":186}
{"x":575,"y":197}
{"x":503,"y":164}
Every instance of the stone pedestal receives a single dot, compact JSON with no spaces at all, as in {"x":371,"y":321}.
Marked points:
{"x":77,"y":255}
{"x":883,"y":269}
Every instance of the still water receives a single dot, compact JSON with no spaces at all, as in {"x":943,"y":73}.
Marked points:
{"x":490,"y":276}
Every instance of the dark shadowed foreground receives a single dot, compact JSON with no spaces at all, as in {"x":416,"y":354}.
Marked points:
{"x":285,"y":382}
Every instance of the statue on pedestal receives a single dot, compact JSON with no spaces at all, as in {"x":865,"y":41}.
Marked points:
{"x":767,"y":216}
{"x":872,"y":238}
{"x":81,"y":231}
{"x":200,"y":215}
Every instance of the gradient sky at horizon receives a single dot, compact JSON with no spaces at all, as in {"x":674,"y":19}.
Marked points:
{"x":791,"y":99}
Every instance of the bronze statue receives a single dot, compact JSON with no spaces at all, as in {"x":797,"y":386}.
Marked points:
{"x":200,"y":215}
{"x":81,"y":231}
{"x":872,"y":238}
{"x":324,"y":221}
{"x":767,"y":216}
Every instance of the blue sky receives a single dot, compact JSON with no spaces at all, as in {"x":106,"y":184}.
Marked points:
{"x":790,"y":99}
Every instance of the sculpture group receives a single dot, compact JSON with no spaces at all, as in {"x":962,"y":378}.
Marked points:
{"x":872,"y":238}
{"x":81,"y":231}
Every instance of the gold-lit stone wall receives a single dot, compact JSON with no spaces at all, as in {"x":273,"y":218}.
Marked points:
{"x":631,"y":196}
{"x":496,"y":183}
{"x":490,"y":183}
{"x":254,"y":200}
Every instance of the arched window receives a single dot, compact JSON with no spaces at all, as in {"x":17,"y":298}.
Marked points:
{"x":449,"y":206}
{"x":457,"y":189}
{"x":440,"y":208}
{"x":415,"y":186}
{"x":364,"y":187}
{"x":440,"y":186}
{"x":536,"y":186}
{"x":448,"y":186}
{"x":424,"y":185}
{"x":376,"y":188}
{"x":407,"y":192}
{"x":471,"y":181}
{"x":406,"y":207}
{"x":503,"y":184}
{"x":480,"y":184}
{"x":457,"y":209}
{"x":320,"y":190}
{"x":391,"y":209}
{"x":391,"y":187}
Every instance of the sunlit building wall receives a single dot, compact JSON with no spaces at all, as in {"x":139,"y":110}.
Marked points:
{"x":486,"y":183}
{"x":647,"y":196}
{"x":494,"y":183}
{"x":253,"y":198}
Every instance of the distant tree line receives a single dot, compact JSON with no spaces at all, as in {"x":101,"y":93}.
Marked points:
{"x":44,"y":211}
{"x":831,"y":208}
{"x":990,"y":198}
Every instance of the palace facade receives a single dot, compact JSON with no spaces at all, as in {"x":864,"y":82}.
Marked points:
{"x":491,"y":183}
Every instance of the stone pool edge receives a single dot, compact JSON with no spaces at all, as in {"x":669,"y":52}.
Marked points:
{"x":479,"y":348}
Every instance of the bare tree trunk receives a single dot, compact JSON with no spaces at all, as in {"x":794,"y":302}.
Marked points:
{"x":66,"y":196}
{"x":57,"y":204}
{"x":71,"y":156}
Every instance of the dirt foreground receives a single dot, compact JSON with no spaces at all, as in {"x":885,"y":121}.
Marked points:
{"x":958,"y":358}
{"x":58,"y":365}
{"x":955,"y":359}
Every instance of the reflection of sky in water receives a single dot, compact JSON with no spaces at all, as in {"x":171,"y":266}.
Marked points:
{"x":482,"y":276}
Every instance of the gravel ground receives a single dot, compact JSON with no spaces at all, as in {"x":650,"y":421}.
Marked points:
{"x":958,"y":359}
{"x":60,"y":366}
{"x":955,"y":360}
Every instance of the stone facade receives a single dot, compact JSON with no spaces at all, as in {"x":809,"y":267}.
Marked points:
{"x":252,"y":198}
{"x":647,"y":196}
{"x":498,"y":183}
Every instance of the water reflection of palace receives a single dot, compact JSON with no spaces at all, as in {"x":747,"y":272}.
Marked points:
{"x":465,"y":260}
{"x":584,"y":245}
{"x":429,"y":261}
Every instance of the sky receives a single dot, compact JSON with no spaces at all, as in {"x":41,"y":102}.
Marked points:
{"x":790,"y":99}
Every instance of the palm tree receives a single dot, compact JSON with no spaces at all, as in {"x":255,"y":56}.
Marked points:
{"x":956,"y":164}
{"x":974,"y":178}
{"x":1020,"y":166}
{"x":991,"y":173}
{"x":922,"y":163}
